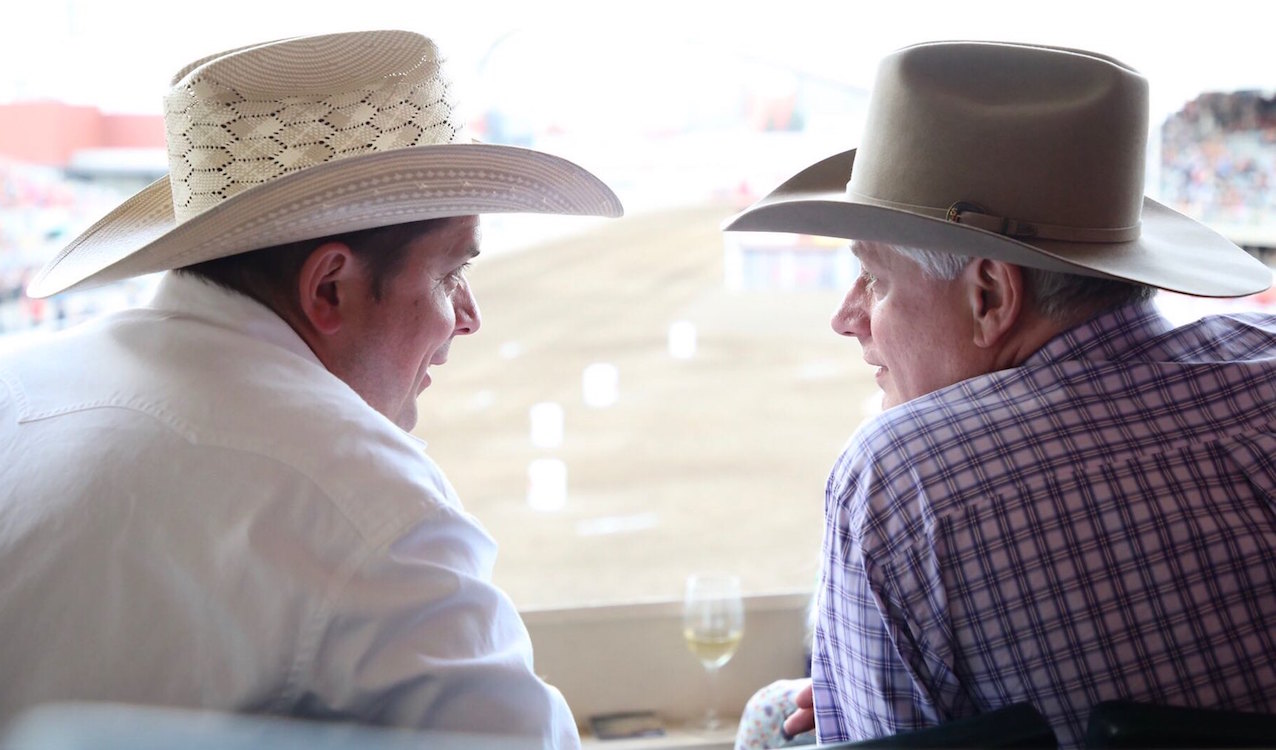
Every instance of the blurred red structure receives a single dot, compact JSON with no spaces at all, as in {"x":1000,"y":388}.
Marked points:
{"x":47,"y":133}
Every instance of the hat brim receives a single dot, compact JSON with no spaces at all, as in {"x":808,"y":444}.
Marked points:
{"x":1173,"y":251}
{"x":141,"y":235}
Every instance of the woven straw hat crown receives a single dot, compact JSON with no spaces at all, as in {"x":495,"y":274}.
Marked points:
{"x":308,"y":137}
{"x":229,"y":127}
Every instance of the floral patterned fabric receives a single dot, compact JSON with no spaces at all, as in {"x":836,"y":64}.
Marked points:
{"x":762,"y":723}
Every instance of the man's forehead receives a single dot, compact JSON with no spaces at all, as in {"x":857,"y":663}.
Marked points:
{"x":466,"y":231}
{"x":862,"y":248}
{"x":472,"y":239}
{"x":449,"y":238}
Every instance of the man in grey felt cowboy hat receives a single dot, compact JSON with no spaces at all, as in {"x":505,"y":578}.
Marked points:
{"x":214,"y":501}
{"x":1066,"y":499}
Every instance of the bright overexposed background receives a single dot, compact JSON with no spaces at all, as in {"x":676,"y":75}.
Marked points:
{"x":576,"y":56}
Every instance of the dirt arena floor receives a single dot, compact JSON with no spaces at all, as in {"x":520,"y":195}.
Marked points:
{"x":717,"y":461}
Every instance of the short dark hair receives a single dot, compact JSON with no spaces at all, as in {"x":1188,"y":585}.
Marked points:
{"x":269,"y":275}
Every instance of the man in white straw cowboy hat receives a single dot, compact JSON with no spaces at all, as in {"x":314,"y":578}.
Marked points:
{"x":1066,"y":499}
{"x":213,"y":500}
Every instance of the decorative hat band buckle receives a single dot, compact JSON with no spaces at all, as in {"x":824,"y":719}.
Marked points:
{"x":973,"y":214}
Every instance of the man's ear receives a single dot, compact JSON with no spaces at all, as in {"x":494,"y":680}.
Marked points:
{"x":324,"y":288}
{"x":995,"y":292}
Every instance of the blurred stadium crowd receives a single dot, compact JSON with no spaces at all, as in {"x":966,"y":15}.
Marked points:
{"x":1218,"y":160}
{"x":41,"y":210}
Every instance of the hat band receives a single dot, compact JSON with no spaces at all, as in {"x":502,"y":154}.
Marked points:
{"x":973,"y":215}
{"x":964,"y":212}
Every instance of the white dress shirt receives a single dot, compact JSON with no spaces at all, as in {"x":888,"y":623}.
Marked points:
{"x":195,"y":512}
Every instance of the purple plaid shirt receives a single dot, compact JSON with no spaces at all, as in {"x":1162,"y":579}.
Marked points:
{"x":1099,"y":522}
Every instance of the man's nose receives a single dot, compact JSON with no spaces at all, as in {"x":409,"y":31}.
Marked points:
{"x":851,"y":317}
{"x":468,"y":318}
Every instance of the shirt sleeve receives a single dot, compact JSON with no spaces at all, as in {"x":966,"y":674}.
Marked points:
{"x":883,"y":652}
{"x":418,"y":636}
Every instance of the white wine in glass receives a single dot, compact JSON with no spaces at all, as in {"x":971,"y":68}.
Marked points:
{"x":712,"y":625}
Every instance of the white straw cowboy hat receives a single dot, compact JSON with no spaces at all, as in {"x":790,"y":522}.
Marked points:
{"x":308,"y":137}
{"x":1027,"y":154}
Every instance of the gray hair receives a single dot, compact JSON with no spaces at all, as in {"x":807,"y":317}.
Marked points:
{"x":1061,"y":297}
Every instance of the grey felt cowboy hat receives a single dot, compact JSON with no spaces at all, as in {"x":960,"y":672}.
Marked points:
{"x":1028,"y":154}
{"x":307,"y":137}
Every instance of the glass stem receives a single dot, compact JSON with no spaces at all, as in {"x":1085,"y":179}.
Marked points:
{"x":711,"y":715}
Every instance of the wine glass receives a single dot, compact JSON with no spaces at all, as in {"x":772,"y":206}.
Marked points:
{"x":712,"y":625}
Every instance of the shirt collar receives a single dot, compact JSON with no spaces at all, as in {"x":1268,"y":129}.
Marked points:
{"x":186,"y":295}
{"x":1106,"y":336}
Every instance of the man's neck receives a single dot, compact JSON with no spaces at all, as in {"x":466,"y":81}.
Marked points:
{"x":1031,"y":332}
